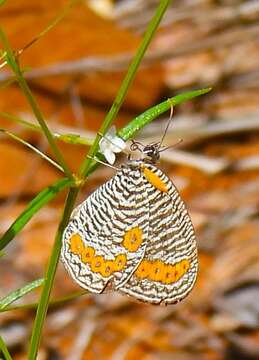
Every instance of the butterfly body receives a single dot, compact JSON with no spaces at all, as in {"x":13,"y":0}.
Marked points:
{"x":134,"y":235}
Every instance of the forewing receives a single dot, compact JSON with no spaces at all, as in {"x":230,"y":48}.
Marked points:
{"x":169,"y":268}
{"x":94,"y":239}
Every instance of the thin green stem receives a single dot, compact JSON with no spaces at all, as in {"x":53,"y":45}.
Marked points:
{"x":52,"y":24}
{"x":33,"y":148}
{"x":148,"y":36}
{"x":69,"y":138}
{"x":35,"y":108}
{"x":4,"y":350}
{"x":50,"y":275}
{"x":52,"y":303}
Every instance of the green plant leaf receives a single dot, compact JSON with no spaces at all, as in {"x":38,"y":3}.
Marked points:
{"x":19,"y":293}
{"x":146,"y":117}
{"x":35,"y":205}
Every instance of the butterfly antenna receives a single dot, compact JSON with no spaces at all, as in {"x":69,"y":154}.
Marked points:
{"x":167,"y":126}
{"x":171,"y":146}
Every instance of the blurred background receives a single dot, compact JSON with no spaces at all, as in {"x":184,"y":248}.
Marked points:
{"x":74,"y":72}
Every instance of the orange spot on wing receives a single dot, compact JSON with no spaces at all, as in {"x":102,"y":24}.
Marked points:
{"x":97,"y":264}
{"x":159,"y":271}
{"x":169,"y":274}
{"x":87,"y":254}
{"x":76,"y":244}
{"x":108,"y":268}
{"x":120,"y":262}
{"x":143,"y":269}
{"x":155,"y":180}
{"x":132,"y":239}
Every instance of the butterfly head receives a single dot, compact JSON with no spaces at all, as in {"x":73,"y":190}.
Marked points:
{"x":151,"y":152}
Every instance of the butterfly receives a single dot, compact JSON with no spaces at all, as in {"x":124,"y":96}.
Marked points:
{"x":134,"y":235}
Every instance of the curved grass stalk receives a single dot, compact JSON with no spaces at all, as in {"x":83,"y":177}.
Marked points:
{"x":33,"y":148}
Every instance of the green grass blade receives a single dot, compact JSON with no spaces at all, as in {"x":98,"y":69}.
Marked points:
{"x":33,"y":148}
{"x":4,"y":350}
{"x":53,"y":303}
{"x":18,"y":120}
{"x":52,"y":24}
{"x":67,"y":138}
{"x":146,"y":117}
{"x":17,"y":294}
{"x":35,"y":205}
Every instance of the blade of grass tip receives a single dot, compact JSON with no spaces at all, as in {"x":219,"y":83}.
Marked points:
{"x":19,"y":293}
{"x":146,"y":117}
{"x":53,"y":23}
{"x":35,"y":108}
{"x":32,"y":208}
{"x":53,"y":302}
{"x":148,"y":36}
{"x":51,"y":270}
{"x":37,"y":151}
{"x":4,"y":350}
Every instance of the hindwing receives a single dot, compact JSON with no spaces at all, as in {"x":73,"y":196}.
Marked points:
{"x":169,"y":268}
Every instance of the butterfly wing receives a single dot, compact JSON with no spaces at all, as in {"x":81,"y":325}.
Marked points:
{"x":169,"y":268}
{"x":107,"y":234}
